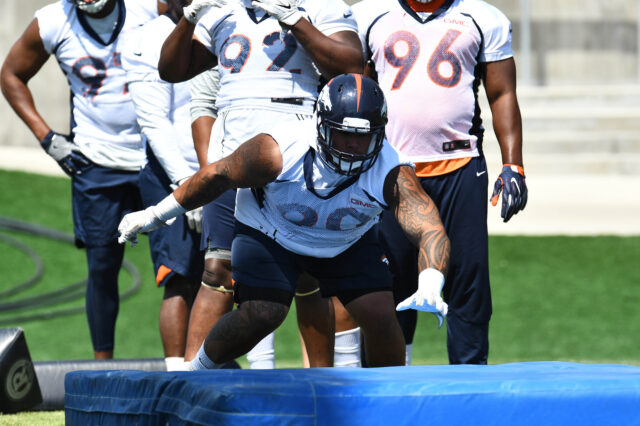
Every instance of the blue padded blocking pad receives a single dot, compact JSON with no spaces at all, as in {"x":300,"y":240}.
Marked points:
{"x":528,"y":393}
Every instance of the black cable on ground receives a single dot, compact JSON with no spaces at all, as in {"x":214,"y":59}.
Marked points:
{"x":33,"y":255}
{"x":61,"y":295}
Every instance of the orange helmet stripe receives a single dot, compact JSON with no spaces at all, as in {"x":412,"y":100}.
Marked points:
{"x":358,"y":78}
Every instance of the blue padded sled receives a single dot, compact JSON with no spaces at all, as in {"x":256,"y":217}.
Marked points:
{"x":530,"y":393}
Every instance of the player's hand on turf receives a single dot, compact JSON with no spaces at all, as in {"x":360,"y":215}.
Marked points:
{"x":514,"y":191}
{"x":285,"y":11}
{"x":198,"y":8}
{"x":427,"y":298}
{"x":65,"y":152}
{"x":134,"y":223}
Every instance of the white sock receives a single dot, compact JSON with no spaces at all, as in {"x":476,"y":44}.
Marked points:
{"x":202,"y":361}
{"x":408,"y":354}
{"x":262,"y":356}
{"x":346,"y":351}
{"x":175,"y":363}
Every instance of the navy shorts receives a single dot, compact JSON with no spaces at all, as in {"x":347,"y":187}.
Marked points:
{"x":264,"y":270}
{"x":100,"y":198}
{"x":218,"y":222}
{"x":175,"y":249}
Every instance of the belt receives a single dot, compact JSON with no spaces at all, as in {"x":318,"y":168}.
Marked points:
{"x":455,"y":145}
{"x":290,"y":101}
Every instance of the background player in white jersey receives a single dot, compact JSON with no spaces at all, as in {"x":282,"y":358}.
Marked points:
{"x":103,"y":154}
{"x":310,"y":198}
{"x":270,"y":66}
{"x":163,"y":111}
{"x":430,"y":58}
{"x":212,"y":303}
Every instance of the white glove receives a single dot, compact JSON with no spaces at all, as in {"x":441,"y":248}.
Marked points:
{"x":194,"y":219}
{"x":146,"y":220}
{"x":198,"y":8}
{"x":285,"y":11}
{"x":427,"y":298}
{"x":134,"y":223}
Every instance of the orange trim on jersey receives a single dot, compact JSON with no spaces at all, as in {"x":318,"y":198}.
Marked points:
{"x":163,"y":272}
{"x":432,"y":6}
{"x":442,"y":167}
{"x":358,"y":78}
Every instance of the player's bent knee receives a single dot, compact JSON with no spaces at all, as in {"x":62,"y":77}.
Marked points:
{"x":217,"y":273}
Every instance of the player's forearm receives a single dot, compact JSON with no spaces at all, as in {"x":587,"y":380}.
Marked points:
{"x":255,"y":163}
{"x":422,"y":225}
{"x":175,"y":57}
{"x":418,"y":217}
{"x":339,"y":54}
{"x":500,"y":84}
{"x":507,"y":125}
{"x":204,"y":186}
{"x":19,"y":97}
{"x":201,"y":131}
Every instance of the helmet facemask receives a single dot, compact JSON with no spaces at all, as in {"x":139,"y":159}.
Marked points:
{"x":348,"y":163}
{"x":91,"y":6}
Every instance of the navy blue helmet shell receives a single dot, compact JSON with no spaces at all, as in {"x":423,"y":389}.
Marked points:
{"x":350,"y":103}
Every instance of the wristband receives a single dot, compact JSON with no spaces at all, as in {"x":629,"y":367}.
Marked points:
{"x":168,"y":208}
{"x":429,"y":276}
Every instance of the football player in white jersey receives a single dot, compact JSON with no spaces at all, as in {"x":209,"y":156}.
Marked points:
{"x":430,"y":57}
{"x":271,"y":59}
{"x":163,"y":111}
{"x":309,"y":199}
{"x":103,"y":154}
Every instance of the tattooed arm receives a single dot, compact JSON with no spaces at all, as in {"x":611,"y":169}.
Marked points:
{"x":256,"y":162}
{"x":418,"y":216}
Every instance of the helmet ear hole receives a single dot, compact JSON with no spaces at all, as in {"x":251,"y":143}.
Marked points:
{"x":350,"y":103}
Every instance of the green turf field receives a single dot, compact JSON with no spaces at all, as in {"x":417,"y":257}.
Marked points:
{"x":555,"y":298}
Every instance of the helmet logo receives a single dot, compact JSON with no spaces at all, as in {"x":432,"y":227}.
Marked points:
{"x":324,"y":101}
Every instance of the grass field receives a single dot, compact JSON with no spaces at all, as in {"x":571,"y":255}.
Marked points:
{"x":555,"y":298}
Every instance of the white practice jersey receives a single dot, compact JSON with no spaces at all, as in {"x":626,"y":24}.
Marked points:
{"x":162,"y":108}
{"x":428,"y":67}
{"x":322,"y":224}
{"x":103,"y":119}
{"x":258,"y":60}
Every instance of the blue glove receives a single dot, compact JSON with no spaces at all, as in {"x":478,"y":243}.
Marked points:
{"x":65,"y":152}
{"x":514,"y":191}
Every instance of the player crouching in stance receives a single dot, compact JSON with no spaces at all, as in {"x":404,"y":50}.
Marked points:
{"x":308,"y":200}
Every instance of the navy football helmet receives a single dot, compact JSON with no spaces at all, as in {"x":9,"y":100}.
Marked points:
{"x":350,"y":103}
{"x":90,"y":6}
